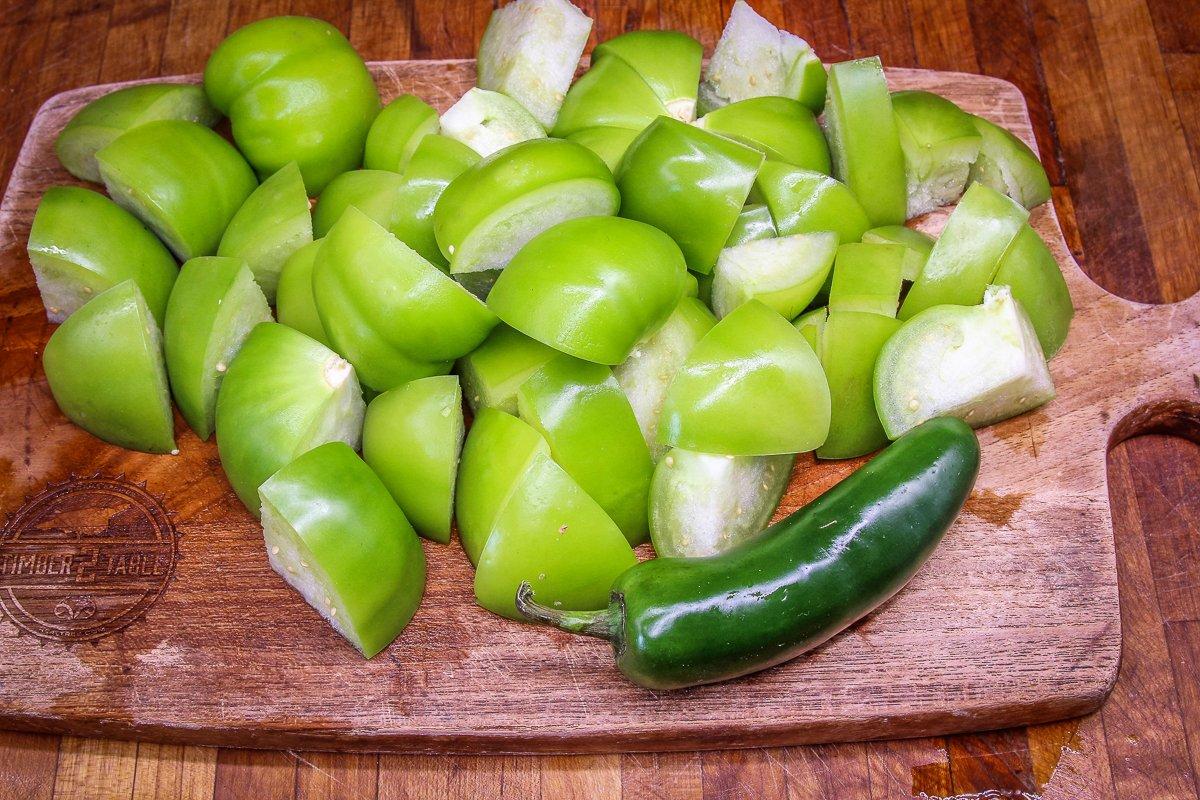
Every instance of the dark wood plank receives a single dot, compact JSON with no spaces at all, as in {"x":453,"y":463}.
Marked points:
{"x":662,"y":776}
{"x":826,"y":771}
{"x":744,"y":775}
{"x":255,"y":775}
{"x":194,"y":28}
{"x":448,"y":28}
{"x":337,"y":776}
{"x":997,"y":761}
{"x":174,"y":772}
{"x":882,"y":28}
{"x":28,"y":762}
{"x":1177,"y":25}
{"x":134,"y":45}
{"x":381,"y":31}
{"x":942,"y":37}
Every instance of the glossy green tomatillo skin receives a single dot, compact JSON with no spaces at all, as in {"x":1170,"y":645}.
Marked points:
{"x":802,"y":201}
{"x":294,"y":304}
{"x":1008,"y":165}
{"x":283,"y":395}
{"x":678,"y":622}
{"x":867,"y":278}
{"x":940,"y":144}
{"x":591,"y":287}
{"x":751,"y":387}
{"x":611,"y":94}
{"x":850,"y":345}
{"x":412,"y":437}
{"x":753,"y":224}
{"x":393,"y":315}
{"x":668,"y":61}
{"x":1031,"y":271}
{"x":396,"y":132}
{"x":272,"y":224}
{"x":108,"y":116}
{"x":437,"y":161}
{"x":781,"y":129}
{"x":580,"y":410}
{"x":213,"y":308}
{"x":917,"y":246}
{"x":689,"y":183}
{"x":374,"y":192}
{"x":333,"y":533}
{"x":294,"y":90}
{"x":607,"y":142}
{"x":81,"y":244}
{"x":492,"y":372}
{"x":105,"y":370}
{"x":181,"y":179}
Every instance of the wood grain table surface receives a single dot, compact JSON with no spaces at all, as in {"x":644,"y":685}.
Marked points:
{"x":1114,"y":90}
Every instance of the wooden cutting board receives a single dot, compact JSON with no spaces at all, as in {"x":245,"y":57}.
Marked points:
{"x":137,"y":600}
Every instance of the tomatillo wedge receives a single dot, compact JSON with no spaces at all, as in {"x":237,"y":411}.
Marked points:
{"x":335,"y":535}
{"x":702,"y":504}
{"x":751,"y":387}
{"x":940,"y":144}
{"x":105,"y":370}
{"x":530,"y":50}
{"x":784,"y":273}
{"x":294,"y":90}
{"x":677,"y":622}
{"x":580,"y":410}
{"x":436,"y":162}
{"x":656,"y":360}
{"x":283,"y":395}
{"x":669,"y":62}
{"x":492,"y":372}
{"x":412,"y":437}
{"x":489,"y":121}
{"x":499,"y":449}
{"x":1009,"y":166}
{"x":867,"y":278}
{"x":271,"y":224}
{"x":917,"y":246}
{"x":550,"y":534}
{"x":607,"y":142}
{"x":689,"y":183}
{"x":803,"y":201}
{"x":812,"y":326}
{"x":294,"y":304}
{"x":863,"y":141}
{"x":181,"y":179}
{"x":81,"y":244}
{"x":213,"y":308}
{"x":374,"y":192}
{"x":850,"y":345}
{"x":967,"y":254}
{"x":108,"y":116}
{"x":781,"y":129}
{"x":610,"y":94}
{"x":753,"y":224}
{"x":396,"y":132}
{"x":753,"y":58}
{"x":495,"y":207}
{"x":1030,"y":270}
{"x":980,"y":363}
{"x":394,"y":315}
{"x":591,"y":287}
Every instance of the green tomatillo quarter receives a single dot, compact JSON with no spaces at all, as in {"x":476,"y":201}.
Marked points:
{"x":397,"y":131}
{"x":294,"y":304}
{"x":669,"y":62}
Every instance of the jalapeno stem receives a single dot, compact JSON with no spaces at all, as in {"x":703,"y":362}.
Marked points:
{"x":588,"y":623}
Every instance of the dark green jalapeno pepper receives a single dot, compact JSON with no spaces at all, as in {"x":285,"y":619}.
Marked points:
{"x":677,"y":622}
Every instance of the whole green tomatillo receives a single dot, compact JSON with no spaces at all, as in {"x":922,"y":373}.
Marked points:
{"x":294,"y":90}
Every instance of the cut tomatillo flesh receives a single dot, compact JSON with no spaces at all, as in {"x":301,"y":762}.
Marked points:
{"x":294,"y":304}
{"x":592,"y":287}
{"x":391,"y":313}
{"x":753,"y":224}
{"x":669,"y":62}
{"x":213,"y":308}
{"x":751,"y":387}
{"x":580,"y":410}
{"x":493,"y":209}
{"x":781,"y":129}
{"x":294,"y":90}
{"x":703,"y":504}
{"x":109,"y":116}
{"x":811,"y":326}
{"x":607,"y":142}
{"x":802,"y":201}
{"x":489,"y":121}
{"x":980,"y":363}
{"x":784,"y":273}
{"x":81,"y":244}
{"x":863,"y":141}
{"x":271,"y":224}
{"x":610,"y":94}
{"x":753,"y":58}
{"x":499,"y":449}
{"x":677,"y":622}
{"x":655,"y":361}
{"x":1008,"y":165}
{"x":550,"y":534}
{"x":396,"y":132}
{"x":530,"y":50}
{"x":917,"y":246}
{"x":968,"y":252}
{"x":105,"y":370}
{"x":412,"y":437}
{"x":850,"y":342}
{"x":283,"y":395}
{"x":1030,"y":270}
{"x":939,"y":142}
{"x":335,"y":535}
{"x":689,"y":183}
{"x":492,"y":372}
{"x":181,"y":179}
{"x":867,"y":278}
